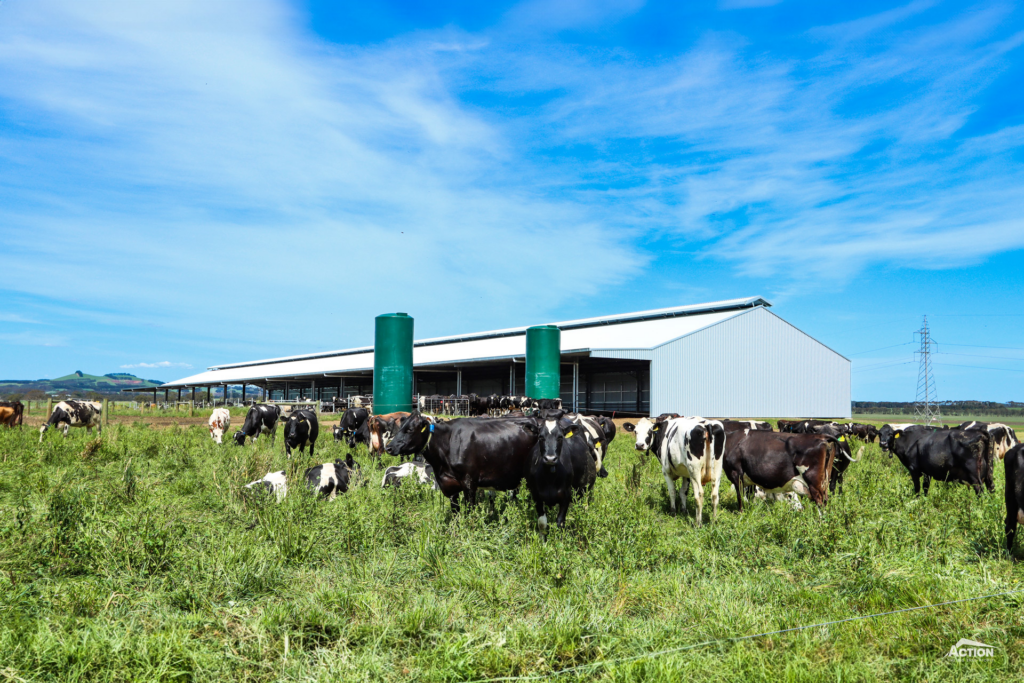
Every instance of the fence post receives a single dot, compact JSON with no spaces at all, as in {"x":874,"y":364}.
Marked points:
{"x":49,"y":408}
{"x":103,"y":416}
{"x":191,"y":407}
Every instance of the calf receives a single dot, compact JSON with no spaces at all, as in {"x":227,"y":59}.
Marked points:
{"x":944,"y":454}
{"x":273,"y":482}
{"x":12,"y":413}
{"x":417,"y":470}
{"x":74,"y":414}
{"x":261,"y":419}
{"x":1013,"y":466}
{"x":560,"y":465}
{"x":330,"y":478}
{"x":468,"y":455}
{"x":301,"y":430}
{"x":220,"y":421}
{"x":781,"y":463}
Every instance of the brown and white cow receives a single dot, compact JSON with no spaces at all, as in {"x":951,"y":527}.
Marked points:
{"x":220,"y":421}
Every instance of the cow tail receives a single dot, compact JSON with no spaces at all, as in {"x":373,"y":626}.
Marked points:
{"x":830,"y":458}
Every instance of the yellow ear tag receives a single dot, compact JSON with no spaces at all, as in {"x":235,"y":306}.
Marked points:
{"x":656,"y":429}
{"x":568,"y":435}
{"x":897,"y":436}
{"x":842,"y":438}
{"x":424,"y":428}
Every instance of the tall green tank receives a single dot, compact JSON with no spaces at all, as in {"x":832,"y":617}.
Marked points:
{"x":543,"y":361}
{"x":392,"y":363}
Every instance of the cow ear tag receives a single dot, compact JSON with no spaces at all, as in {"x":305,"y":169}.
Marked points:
{"x":424,"y":428}
{"x":842,"y":438}
{"x":656,"y":428}
{"x":897,"y":435}
{"x":569,"y":435}
{"x":431,"y":427}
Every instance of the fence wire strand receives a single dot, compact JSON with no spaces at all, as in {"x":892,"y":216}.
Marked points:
{"x":734,"y":639}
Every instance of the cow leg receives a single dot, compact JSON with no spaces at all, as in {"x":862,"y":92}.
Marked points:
{"x":714,"y":494}
{"x":672,"y":492}
{"x":697,"y":499}
{"x":311,"y":444}
{"x":737,"y":481}
{"x":917,"y":482}
{"x":542,"y":518}
{"x":927,"y":483}
{"x":563,"y":509}
{"x":66,"y":428}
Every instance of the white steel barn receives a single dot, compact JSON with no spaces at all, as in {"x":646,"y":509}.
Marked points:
{"x":723,"y":359}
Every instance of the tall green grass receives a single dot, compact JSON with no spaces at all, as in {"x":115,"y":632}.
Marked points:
{"x":135,"y":557}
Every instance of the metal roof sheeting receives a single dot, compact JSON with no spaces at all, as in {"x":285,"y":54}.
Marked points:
{"x":641,"y":330}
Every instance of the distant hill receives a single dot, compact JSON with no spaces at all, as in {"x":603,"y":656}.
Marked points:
{"x":79,"y":383}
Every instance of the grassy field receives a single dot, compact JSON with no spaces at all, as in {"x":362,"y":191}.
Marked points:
{"x":135,"y":558}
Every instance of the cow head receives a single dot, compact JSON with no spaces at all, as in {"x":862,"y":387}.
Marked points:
{"x":239,"y":438}
{"x":217,"y":433}
{"x":551,"y":433}
{"x":412,"y":436}
{"x":297,"y":424}
{"x":647,"y":431}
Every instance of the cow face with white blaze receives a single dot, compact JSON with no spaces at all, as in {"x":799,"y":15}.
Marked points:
{"x":647,"y":432}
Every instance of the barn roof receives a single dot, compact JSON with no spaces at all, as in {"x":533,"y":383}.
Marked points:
{"x":639,"y":330}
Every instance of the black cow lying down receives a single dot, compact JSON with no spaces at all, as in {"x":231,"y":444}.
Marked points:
{"x":780,"y":463}
{"x":1013,"y":466}
{"x":261,"y":419}
{"x":943,"y":454}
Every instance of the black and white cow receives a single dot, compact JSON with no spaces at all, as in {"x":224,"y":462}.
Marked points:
{"x":69,"y":413}
{"x":417,"y":470}
{"x":596,"y":439}
{"x":330,"y":478}
{"x":1001,"y":437}
{"x":690,"y":446}
{"x":273,"y":483}
{"x":301,"y":429}
{"x":740,"y":425}
{"x":261,"y":419}
{"x":560,"y":467}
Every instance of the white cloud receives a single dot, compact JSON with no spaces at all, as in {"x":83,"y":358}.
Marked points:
{"x":160,"y":364}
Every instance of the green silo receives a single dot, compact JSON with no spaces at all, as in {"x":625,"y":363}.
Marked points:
{"x":543,"y":358}
{"x":392,"y":363}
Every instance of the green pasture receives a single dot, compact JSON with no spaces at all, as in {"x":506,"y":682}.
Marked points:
{"x":134,"y":558}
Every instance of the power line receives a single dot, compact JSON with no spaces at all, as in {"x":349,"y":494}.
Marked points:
{"x":925,"y":406}
{"x":977,"y":367}
{"x":979,"y":346}
{"x":974,"y":355}
{"x":881,"y":349}
{"x":886,"y":365}
{"x":736,"y":639}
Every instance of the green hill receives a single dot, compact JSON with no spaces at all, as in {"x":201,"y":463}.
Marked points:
{"x":78,"y":383}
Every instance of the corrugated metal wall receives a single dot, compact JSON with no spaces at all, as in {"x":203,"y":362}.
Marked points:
{"x":751,"y":365}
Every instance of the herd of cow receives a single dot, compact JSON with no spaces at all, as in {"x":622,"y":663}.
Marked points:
{"x":560,"y":455}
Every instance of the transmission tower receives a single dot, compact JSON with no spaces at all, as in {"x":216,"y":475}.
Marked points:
{"x":926,"y":406}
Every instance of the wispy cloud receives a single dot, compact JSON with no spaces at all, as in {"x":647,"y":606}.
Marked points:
{"x":16,"y":318}
{"x":160,"y":364}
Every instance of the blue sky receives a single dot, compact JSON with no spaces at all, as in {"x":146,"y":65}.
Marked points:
{"x":190,"y":183}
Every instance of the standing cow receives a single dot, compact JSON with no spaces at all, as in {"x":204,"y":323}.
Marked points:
{"x":560,"y":465}
{"x":261,"y":419}
{"x":74,"y":414}
{"x":685,"y":446}
{"x":300,"y":430}
{"x":220,"y":422}
{"x":1013,"y":466}
{"x":11,"y":413}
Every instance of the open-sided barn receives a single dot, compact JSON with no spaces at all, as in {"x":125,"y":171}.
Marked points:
{"x":727,"y":358}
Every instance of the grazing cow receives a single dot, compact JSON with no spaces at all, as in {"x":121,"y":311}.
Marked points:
{"x":273,"y":482}
{"x":560,"y":465}
{"x":74,"y":414}
{"x":351,"y":425}
{"x":597,"y":440}
{"x":261,"y":419}
{"x":740,"y":425}
{"x":944,"y":454}
{"x":468,"y":455}
{"x":301,"y":429}
{"x":417,"y":470}
{"x":220,"y":421}
{"x":781,"y":463}
{"x":330,"y":478}
{"x":12,"y":413}
{"x":886,"y":433}
{"x":844,"y":454}
{"x":1013,"y":466}
{"x":1001,"y":437}
{"x":685,"y":446}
